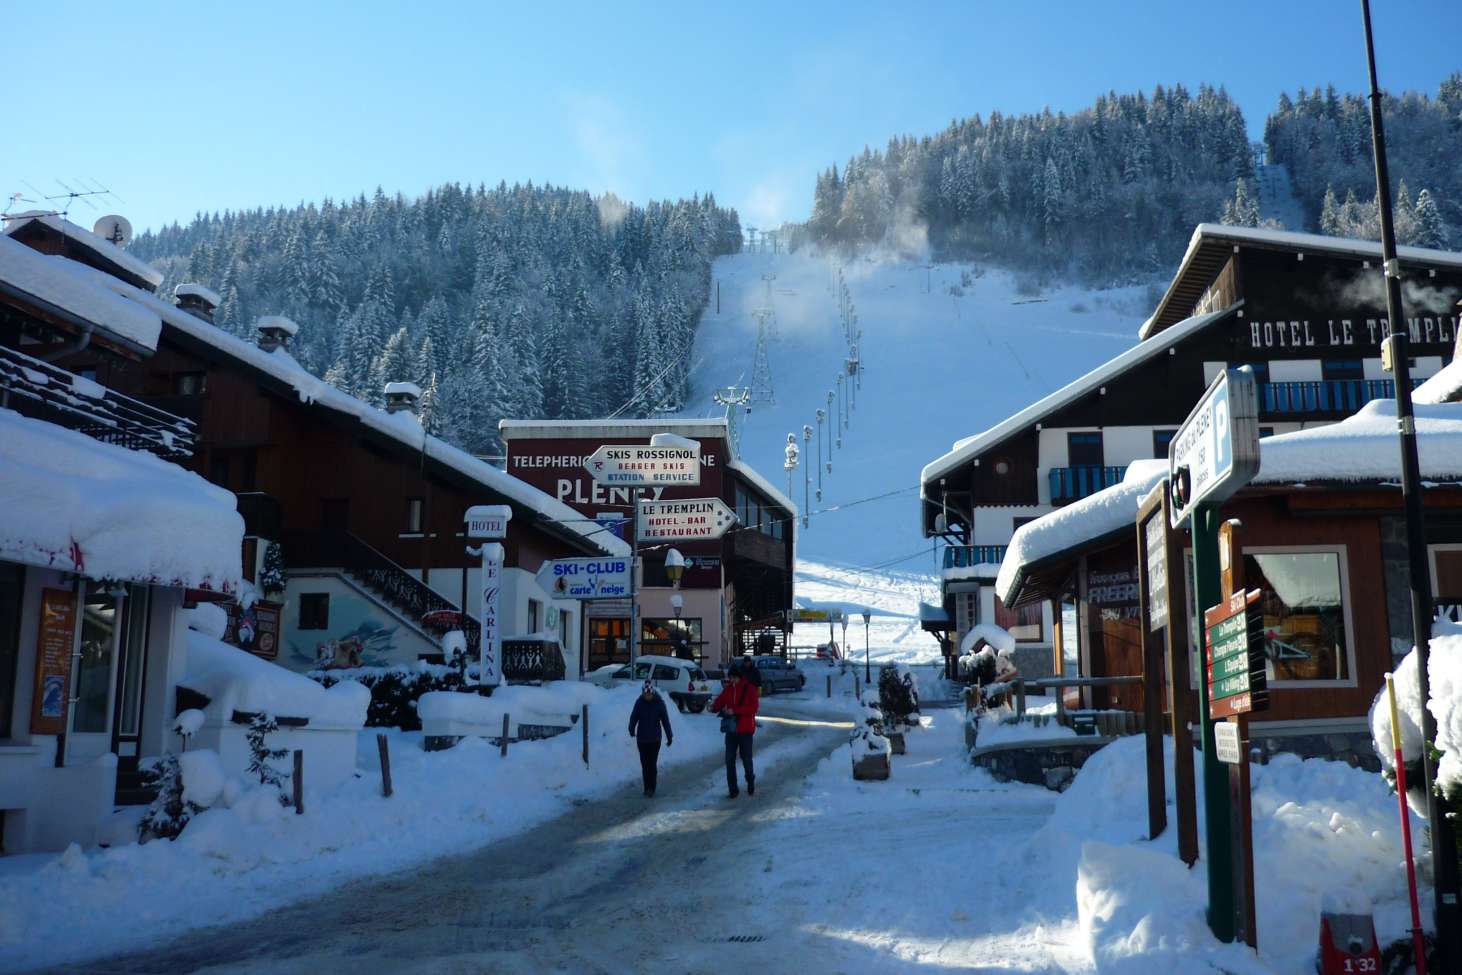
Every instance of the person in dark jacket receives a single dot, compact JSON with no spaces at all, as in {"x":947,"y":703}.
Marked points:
{"x":740,"y":699}
{"x":645,"y":721}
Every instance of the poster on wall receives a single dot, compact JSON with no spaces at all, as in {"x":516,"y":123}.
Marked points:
{"x":53,"y":661}
{"x":255,"y":628}
{"x":489,"y":596}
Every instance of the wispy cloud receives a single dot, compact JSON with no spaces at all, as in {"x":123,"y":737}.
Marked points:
{"x":610,"y":154}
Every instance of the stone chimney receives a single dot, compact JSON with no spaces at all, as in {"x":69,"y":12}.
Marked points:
{"x":403,"y":397}
{"x":275,"y":331}
{"x":196,"y":300}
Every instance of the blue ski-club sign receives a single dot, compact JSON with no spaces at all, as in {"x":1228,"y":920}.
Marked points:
{"x":603,"y":578}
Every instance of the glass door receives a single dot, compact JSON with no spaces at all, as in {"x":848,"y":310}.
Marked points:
{"x":131,"y":674}
{"x":94,"y":671}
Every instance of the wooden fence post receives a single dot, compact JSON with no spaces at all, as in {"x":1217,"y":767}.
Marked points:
{"x":584,"y":723}
{"x":504,"y":752}
{"x":385,"y":750}
{"x":299,"y":782}
{"x":829,"y":686}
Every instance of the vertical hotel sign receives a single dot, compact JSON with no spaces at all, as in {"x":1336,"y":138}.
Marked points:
{"x":490,"y":522}
{"x":53,"y":661}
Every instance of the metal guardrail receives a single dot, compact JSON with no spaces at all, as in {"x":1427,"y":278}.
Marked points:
{"x":1335,"y":397}
{"x":46,"y":392}
{"x":1074,"y":483}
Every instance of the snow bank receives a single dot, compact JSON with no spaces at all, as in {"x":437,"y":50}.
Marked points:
{"x":556,"y":700}
{"x":1445,"y":672}
{"x":1320,"y":828}
{"x":995,"y":636}
{"x":1107,"y":511}
{"x":236,"y":680}
{"x":65,"y":284}
{"x":1363,"y":447}
{"x":237,"y":861}
{"x":104,"y":511}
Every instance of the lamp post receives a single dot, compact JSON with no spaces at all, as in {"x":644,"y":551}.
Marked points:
{"x":867,"y":664}
{"x":830,"y":424}
{"x":790,"y":464}
{"x":821,"y":415}
{"x":806,"y":476}
{"x":674,"y":569}
{"x":841,"y":424}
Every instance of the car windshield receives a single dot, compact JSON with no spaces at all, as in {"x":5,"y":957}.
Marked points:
{"x":697,"y":674}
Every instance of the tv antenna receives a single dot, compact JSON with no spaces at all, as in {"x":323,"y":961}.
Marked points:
{"x":70,"y":194}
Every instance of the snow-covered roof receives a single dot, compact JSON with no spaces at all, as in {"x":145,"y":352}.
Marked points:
{"x":73,"y":288}
{"x":967,"y":449}
{"x":402,"y":426}
{"x":100,"y":246}
{"x":198,"y":291}
{"x":285,"y":325}
{"x":932,"y":613}
{"x":1444,"y":386}
{"x":74,"y":503}
{"x":403,"y":389}
{"x":1365,"y":448}
{"x":1216,"y":235}
{"x":1064,"y":529}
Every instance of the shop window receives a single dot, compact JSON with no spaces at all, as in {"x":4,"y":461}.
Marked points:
{"x":671,"y":637}
{"x":1023,"y":622}
{"x":315,"y":611}
{"x":1446,"y":563}
{"x":414,"y":508}
{"x":608,"y":641}
{"x":12,"y":585}
{"x":1160,"y":441}
{"x":1084,"y":450}
{"x":1306,"y":630}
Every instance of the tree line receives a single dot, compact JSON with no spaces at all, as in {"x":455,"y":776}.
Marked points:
{"x":515,"y":301}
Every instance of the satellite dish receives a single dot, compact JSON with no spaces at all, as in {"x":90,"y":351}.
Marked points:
{"x":114,"y":228}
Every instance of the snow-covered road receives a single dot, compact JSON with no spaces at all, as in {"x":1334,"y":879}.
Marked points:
{"x":813,"y":873}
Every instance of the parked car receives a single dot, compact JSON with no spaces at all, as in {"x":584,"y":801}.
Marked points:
{"x":779,"y":675}
{"x":685,"y":682}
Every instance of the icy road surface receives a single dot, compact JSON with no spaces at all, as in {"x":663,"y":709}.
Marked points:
{"x":814,"y":873}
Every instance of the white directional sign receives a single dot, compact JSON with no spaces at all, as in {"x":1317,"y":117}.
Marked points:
{"x":1216,"y":450}
{"x":607,"y":578}
{"x":488,"y":521}
{"x":687,"y":520}
{"x":640,"y":465}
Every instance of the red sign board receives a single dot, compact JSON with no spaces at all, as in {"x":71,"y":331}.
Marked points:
{"x":53,"y":661}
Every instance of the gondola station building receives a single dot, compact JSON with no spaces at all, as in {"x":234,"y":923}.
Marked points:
{"x":735,"y":591}
{"x":1306,"y":312}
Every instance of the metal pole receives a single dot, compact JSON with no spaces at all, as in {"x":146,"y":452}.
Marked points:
{"x":806,"y":477}
{"x":634,"y":572}
{"x":867,"y":660}
{"x":1208,"y":591}
{"x":1446,"y":908}
{"x":821,"y":415}
{"x":831,"y":396}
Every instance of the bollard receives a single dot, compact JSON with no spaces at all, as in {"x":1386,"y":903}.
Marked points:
{"x":299,"y":782}
{"x":829,"y":686}
{"x":584,"y":723}
{"x":385,"y":750}
{"x":504,"y":752}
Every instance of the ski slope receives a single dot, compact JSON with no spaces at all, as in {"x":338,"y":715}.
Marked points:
{"x":937,"y":365}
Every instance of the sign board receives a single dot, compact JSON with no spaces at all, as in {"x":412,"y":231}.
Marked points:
{"x":1226,"y":742}
{"x":636,"y":465}
{"x":681,"y":521}
{"x":490,"y":651}
{"x":1157,"y":573}
{"x":586,"y":578}
{"x":1216,"y":450}
{"x":488,"y":522}
{"x":255,"y":629}
{"x":1237,"y":682}
{"x":53,"y":661}
{"x":815,"y":615}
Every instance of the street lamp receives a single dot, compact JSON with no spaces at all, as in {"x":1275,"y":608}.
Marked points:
{"x":674,"y":566}
{"x":867,"y":665}
{"x":806,"y":475}
{"x":842,"y":424}
{"x":831,"y":396}
{"x":790,"y":464}
{"x":821,"y":415}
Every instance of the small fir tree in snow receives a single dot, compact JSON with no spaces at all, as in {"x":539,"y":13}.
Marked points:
{"x":274,"y":577}
{"x":260,"y":754}
{"x":1430,"y":231}
{"x":896,"y":695}
{"x":169,"y":812}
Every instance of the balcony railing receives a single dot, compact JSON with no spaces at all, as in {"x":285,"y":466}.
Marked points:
{"x":46,"y":392}
{"x":1070,"y":484}
{"x":1324,"y":397}
{"x":964,"y":556}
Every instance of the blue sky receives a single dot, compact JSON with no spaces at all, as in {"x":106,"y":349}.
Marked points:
{"x":187,"y":106}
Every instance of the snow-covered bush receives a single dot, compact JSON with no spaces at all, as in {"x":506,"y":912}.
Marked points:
{"x":260,"y":754}
{"x":187,"y":724}
{"x":898,"y":695}
{"x":395,"y":690}
{"x":867,"y":742}
{"x":1446,"y":708}
{"x":273,"y":577}
{"x":169,"y":812}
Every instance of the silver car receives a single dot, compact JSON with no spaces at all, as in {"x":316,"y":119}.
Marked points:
{"x":779,"y":675}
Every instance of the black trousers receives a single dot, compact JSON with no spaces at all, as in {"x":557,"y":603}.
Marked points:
{"x":649,"y":754}
{"x":737,"y":743}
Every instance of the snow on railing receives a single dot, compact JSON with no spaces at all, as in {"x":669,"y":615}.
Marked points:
{"x":46,"y":392}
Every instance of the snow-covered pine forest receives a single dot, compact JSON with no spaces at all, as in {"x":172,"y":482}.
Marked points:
{"x":1324,"y":139}
{"x":497,"y":302}
{"x":1111,"y":192}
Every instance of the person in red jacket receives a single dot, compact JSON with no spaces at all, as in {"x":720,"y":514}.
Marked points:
{"x":739,"y":699}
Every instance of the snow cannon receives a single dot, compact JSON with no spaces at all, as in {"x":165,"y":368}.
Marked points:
{"x":1347,"y":944}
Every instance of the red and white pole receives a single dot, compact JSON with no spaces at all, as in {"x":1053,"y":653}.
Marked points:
{"x":1417,"y":940}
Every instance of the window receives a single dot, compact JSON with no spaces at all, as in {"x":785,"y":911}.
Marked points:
{"x":1160,"y":441}
{"x":642,"y":671}
{"x":535,"y":615}
{"x":93,"y":686}
{"x":414,"y":508}
{"x":12,"y":585}
{"x":608,"y":641}
{"x":663,"y":672}
{"x":1023,"y":622}
{"x":563,"y":628}
{"x":1342,"y":369}
{"x":1306,"y":625}
{"x":1070,"y":640}
{"x":1084,"y":450}
{"x":1446,"y":581}
{"x":671,"y":637}
{"x":314,"y":611}
{"x":190,"y":384}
